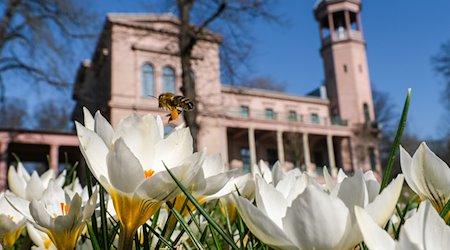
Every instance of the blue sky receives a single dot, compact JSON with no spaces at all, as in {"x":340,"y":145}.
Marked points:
{"x":401,"y":37}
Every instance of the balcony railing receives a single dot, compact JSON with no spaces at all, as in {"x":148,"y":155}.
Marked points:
{"x":294,"y":118}
{"x":341,"y":35}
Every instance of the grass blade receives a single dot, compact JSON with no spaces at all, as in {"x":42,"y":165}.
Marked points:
{"x":92,"y":237}
{"x":202,"y":211}
{"x":445,"y":211}
{"x":395,"y":146}
{"x":185,"y":226}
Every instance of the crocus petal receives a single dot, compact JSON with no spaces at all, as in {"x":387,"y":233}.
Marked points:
{"x":124,"y":170}
{"x":47,"y":176}
{"x":141,"y":135}
{"x":34,"y":188}
{"x":373,"y":187}
{"x":262,"y":226}
{"x":89,"y":121}
{"x":215,"y":183}
{"x":433,"y":175}
{"x":374,"y":237}
{"x":94,"y":151}
{"x":91,"y":204}
{"x":329,"y":184}
{"x":162,"y":187}
{"x":15,"y":183}
{"x":270,"y":201}
{"x":278,"y":173}
{"x":353,"y":191}
{"x":409,"y":171}
{"x":425,"y":230}
{"x":40,"y":215}
{"x":20,"y":205}
{"x":173,"y":149}
{"x":213,"y":165}
{"x":341,"y":175}
{"x":262,"y":170}
{"x":383,"y":206}
{"x":313,"y":215}
{"x":39,"y":238}
{"x":103,"y":128}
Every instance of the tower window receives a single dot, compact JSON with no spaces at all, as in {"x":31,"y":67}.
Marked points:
{"x":147,"y":80}
{"x":360,"y":68}
{"x":168,"y":80}
{"x":345,"y":68}
{"x":366,"y":113}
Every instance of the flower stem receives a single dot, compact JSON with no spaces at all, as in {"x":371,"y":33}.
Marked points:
{"x":125,"y":238}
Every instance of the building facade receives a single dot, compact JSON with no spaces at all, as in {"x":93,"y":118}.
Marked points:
{"x":136,"y":59}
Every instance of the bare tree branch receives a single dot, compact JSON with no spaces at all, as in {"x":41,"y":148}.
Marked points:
{"x":40,"y":35}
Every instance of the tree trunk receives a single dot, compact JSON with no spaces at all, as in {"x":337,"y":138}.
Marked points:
{"x":186,"y":42}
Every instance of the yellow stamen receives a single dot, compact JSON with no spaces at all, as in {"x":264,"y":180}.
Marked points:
{"x":64,"y":208}
{"x":148,"y":173}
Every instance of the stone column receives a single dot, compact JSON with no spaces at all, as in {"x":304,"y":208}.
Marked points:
{"x":252,"y":145}
{"x":331,"y":25}
{"x":280,"y":146}
{"x":54,"y":157}
{"x":306,"y":152}
{"x":225,"y":156}
{"x":348,"y":23}
{"x":331,"y":159}
{"x":358,"y":20}
{"x":352,"y":154}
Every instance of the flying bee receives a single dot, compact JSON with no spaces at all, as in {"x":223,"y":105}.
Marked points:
{"x":175,"y":104}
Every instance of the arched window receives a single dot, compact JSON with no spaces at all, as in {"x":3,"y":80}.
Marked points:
{"x":366,"y":113}
{"x":148,"y":80}
{"x":168,"y":80}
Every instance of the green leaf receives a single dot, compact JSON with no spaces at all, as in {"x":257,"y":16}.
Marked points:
{"x":185,"y":226}
{"x":202,"y":211}
{"x":445,"y":210}
{"x":93,"y":238}
{"x":103,"y":216}
{"x":395,"y":146}
{"x":161,"y":239}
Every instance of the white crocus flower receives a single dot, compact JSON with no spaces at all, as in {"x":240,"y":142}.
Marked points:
{"x":315,"y":219}
{"x":243,"y":185}
{"x":129,"y":163}
{"x":262,"y":170}
{"x":11,"y":223}
{"x":30,"y":187}
{"x":57,"y":214}
{"x":39,"y":238}
{"x":424,"y":230}
{"x":211,"y":178}
{"x":274,"y":175}
{"x":427,"y":175}
{"x":371,"y":182}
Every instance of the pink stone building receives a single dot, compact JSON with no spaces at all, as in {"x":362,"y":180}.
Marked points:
{"x":136,"y":59}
